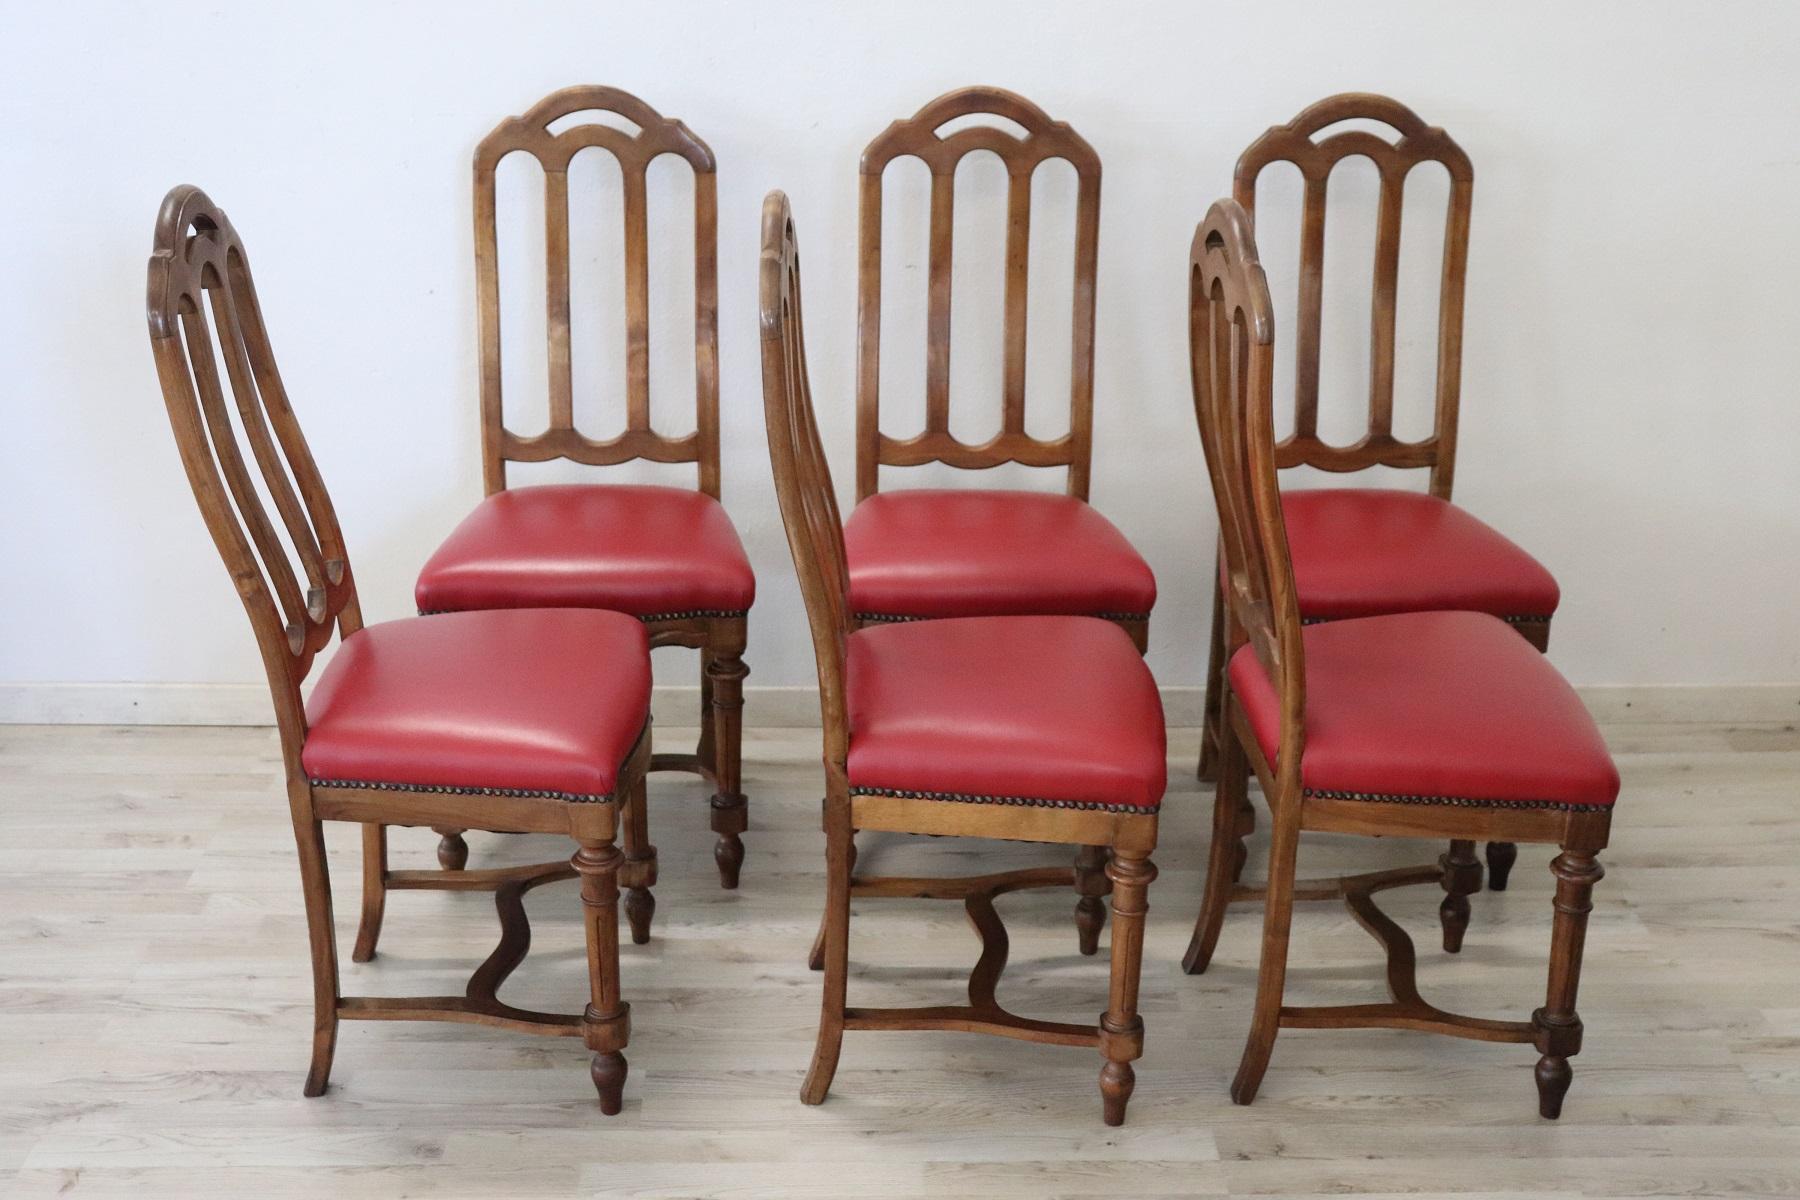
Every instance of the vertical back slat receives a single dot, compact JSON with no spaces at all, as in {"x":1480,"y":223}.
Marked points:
{"x":1383,"y":296}
{"x":556,"y":298}
{"x":868,"y":333}
{"x":1081,"y":339}
{"x":937,"y":317}
{"x":1450,"y":335}
{"x":637,"y":299}
{"x":1018,"y":266}
{"x":706,"y":327}
{"x":487,"y":319}
{"x":1311,"y":313}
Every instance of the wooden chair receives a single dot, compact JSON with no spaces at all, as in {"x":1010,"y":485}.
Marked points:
{"x":668,"y":556}
{"x":522,"y":721}
{"x":924,"y":553}
{"x":1034,"y":728}
{"x":1426,"y":724}
{"x":1363,"y":552}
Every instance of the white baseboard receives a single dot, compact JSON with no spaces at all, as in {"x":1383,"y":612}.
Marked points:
{"x":794,"y":707}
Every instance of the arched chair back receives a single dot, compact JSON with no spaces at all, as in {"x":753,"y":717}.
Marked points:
{"x":656,"y":135}
{"x":920,"y":136}
{"x":223,"y":391}
{"x":1231,"y":333}
{"x":809,"y":506}
{"x":1300,"y":142}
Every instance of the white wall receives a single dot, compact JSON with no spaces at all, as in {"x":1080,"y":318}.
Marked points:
{"x":1632,"y":360}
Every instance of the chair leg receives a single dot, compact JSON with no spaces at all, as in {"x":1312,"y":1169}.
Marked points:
{"x":815,"y":959}
{"x":1558,"y":1026}
{"x":606,"y":1022}
{"x":726,"y":671}
{"x":638,"y":872}
{"x":374,"y":891}
{"x":1121,"y":1028}
{"x":1500,"y":859}
{"x":453,"y":852}
{"x":1461,"y":879}
{"x":706,"y":750}
{"x":1271,"y":974}
{"x":1224,"y":860}
{"x":839,"y":852}
{"x":321,"y":932}
{"x":1212,"y":722}
{"x":1091,"y":883}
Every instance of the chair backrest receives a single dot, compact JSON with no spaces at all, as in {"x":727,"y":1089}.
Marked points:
{"x":919,"y":136}
{"x":1231,"y":336}
{"x":203,"y":310}
{"x":657,"y":135}
{"x":1298,"y":142}
{"x":809,"y":506}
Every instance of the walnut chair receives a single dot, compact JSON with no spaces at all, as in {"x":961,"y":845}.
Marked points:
{"x":1364,"y":552}
{"x":925,"y":553}
{"x":1042,"y":728}
{"x":1425,"y":724}
{"x":515,"y":721}
{"x":668,"y":556}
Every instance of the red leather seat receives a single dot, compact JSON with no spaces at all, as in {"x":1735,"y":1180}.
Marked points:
{"x":1438,"y":707}
{"x":647,"y":551}
{"x":1050,"y":710}
{"x":1363,"y":552}
{"x":985,"y":552}
{"x":535,"y":700}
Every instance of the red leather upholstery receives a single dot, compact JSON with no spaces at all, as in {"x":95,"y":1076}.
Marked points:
{"x":1362,"y":552}
{"x":539,"y":700}
{"x":1440,"y":706}
{"x":1054,"y":710}
{"x":985,"y":552}
{"x":640,"y":550}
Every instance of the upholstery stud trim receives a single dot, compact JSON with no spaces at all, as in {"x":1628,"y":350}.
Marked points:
{"x":1012,"y":801}
{"x":447,"y":790}
{"x":1455,"y":801}
{"x":897,"y":618}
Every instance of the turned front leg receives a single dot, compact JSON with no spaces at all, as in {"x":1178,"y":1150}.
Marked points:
{"x":1121,"y":1029}
{"x":606,"y":1023}
{"x":638,"y":872}
{"x":453,"y":852}
{"x":725,"y":670}
{"x":1558,"y":1026}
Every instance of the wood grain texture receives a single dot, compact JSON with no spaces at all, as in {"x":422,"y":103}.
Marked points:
{"x":154,"y":1007}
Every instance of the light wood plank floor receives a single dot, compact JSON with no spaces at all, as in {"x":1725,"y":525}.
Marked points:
{"x":154,"y":1008}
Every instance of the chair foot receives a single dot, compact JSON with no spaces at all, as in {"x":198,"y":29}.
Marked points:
{"x":1461,"y":878}
{"x":453,"y":852}
{"x":1500,"y":859}
{"x":374,"y":892}
{"x":1117,"y":1081}
{"x":1553,"y":1078}
{"x":1091,"y":884}
{"x":728,"y":853}
{"x":640,"y":907}
{"x":608,"y":1072}
{"x":318,"y":1075}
